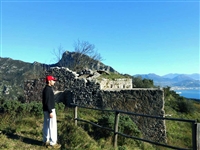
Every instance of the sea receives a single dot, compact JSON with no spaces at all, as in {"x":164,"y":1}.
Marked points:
{"x":189,"y":93}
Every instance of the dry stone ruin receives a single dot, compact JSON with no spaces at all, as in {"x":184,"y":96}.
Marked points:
{"x":83,"y":89}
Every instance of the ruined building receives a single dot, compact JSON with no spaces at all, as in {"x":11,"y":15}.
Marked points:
{"x":85,"y":89}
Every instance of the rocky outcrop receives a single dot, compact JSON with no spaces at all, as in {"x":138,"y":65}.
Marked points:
{"x":6,"y":90}
{"x":70,"y":58}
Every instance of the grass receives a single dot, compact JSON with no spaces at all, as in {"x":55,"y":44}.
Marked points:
{"x":113,"y":76}
{"x":20,"y":133}
{"x":25,"y":132}
{"x":180,"y":133}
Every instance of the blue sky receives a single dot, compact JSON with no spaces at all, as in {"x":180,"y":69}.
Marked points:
{"x":134,"y":37}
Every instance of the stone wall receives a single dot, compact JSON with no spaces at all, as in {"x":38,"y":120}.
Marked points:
{"x":71,"y":89}
{"x":106,"y":84}
{"x":141,"y":101}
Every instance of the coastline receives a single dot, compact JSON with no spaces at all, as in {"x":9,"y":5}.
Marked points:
{"x":193,"y":99}
{"x":184,"y":88}
{"x":189,"y":93}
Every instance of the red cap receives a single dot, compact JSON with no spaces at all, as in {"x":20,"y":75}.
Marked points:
{"x":48,"y":78}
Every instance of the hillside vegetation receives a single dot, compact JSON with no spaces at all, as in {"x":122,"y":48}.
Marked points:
{"x":12,"y":76}
{"x":21,"y":126}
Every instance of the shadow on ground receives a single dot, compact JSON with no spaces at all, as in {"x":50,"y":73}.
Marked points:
{"x":22,"y":138}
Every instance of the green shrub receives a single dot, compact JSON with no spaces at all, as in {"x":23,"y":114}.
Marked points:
{"x":33,"y":108}
{"x":128,"y":127}
{"x":122,"y":148}
{"x":125,"y":126}
{"x":75,"y":138}
{"x":60,"y":107}
{"x":185,"y":106}
{"x":138,"y":82}
{"x":107,"y":120}
{"x":10,"y":106}
{"x":23,"y":109}
{"x":36,"y":108}
{"x":15,"y":107}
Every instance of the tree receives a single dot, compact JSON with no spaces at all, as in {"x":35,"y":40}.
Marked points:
{"x":85,"y":55}
{"x":138,"y":82}
{"x":85,"y":48}
{"x":58,"y":55}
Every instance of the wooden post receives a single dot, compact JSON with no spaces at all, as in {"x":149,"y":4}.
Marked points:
{"x":198,"y":136}
{"x":194,"y":135}
{"x":75,"y":115}
{"x":116,"y":128}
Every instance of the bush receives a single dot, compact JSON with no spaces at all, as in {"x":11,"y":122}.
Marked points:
{"x":107,"y":120}
{"x":15,"y":107}
{"x":60,"y":107}
{"x":75,"y":138}
{"x":128,"y":127}
{"x":138,"y":82}
{"x":23,"y":109}
{"x":10,"y":106}
{"x":36,"y":108}
{"x":185,"y":106}
{"x":125,"y":126}
{"x":33,"y":108}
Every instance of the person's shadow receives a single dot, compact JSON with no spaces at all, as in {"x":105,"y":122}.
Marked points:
{"x":26,"y":140}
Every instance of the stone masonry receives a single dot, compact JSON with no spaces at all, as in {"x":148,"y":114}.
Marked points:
{"x":73,"y":88}
{"x":106,"y":84}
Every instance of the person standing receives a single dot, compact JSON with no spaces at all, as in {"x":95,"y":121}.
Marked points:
{"x":50,"y":121}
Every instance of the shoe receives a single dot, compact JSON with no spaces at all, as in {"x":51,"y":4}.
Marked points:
{"x":55,"y":146}
{"x":46,"y":144}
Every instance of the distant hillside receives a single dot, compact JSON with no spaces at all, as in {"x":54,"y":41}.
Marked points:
{"x":173,"y":80}
{"x":195,"y":76}
{"x":12,"y":76}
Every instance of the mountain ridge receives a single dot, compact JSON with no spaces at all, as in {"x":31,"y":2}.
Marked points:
{"x":174,"y":79}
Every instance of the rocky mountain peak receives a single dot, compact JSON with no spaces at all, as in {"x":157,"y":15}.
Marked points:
{"x":74,"y":59}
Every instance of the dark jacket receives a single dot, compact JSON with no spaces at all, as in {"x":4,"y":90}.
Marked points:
{"x":48,"y":99}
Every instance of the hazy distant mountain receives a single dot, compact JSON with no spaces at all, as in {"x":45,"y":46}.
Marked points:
{"x":181,"y":77}
{"x":174,"y":79}
{"x":170,"y":75}
{"x":153,"y":76}
{"x":195,"y":76}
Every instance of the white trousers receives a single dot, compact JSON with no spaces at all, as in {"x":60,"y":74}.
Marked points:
{"x":50,"y":128}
